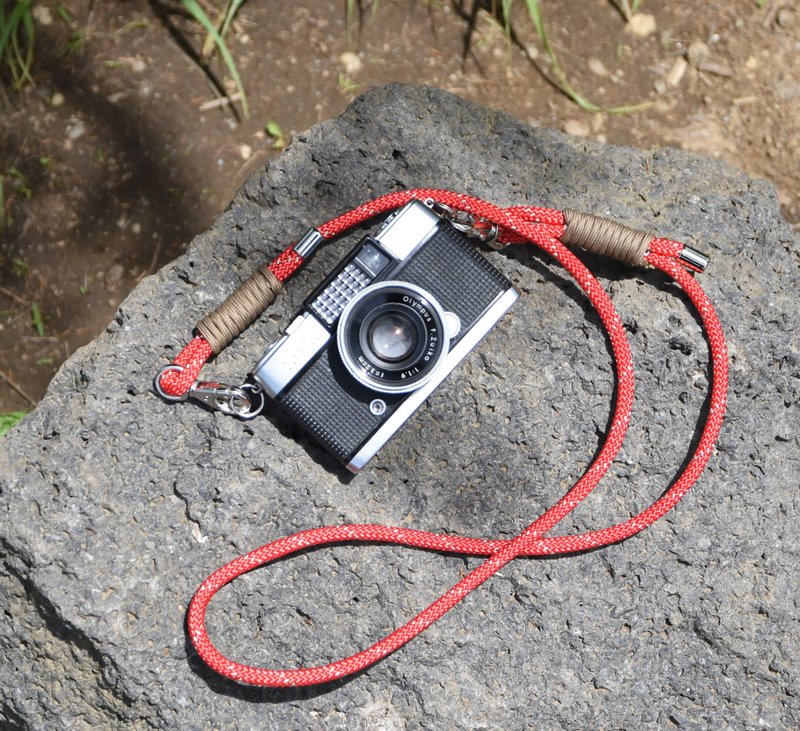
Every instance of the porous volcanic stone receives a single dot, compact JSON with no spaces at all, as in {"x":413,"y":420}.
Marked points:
{"x":116,"y":505}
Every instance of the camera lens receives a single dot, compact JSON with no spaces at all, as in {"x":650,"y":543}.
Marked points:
{"x":392,"y":336}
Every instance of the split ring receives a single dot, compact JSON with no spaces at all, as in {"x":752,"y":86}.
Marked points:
{"x":157,"y":382}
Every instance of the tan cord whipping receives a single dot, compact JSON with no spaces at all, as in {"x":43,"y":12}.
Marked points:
{"x":605,"y":237}
{"x":240,"y":310}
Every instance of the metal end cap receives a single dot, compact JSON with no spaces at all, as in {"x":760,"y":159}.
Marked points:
{"x":693,"y":259}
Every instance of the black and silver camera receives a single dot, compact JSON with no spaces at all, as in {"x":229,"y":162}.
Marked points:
{"x":393,"y":319}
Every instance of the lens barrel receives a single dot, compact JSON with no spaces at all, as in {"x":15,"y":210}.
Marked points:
{"x":392,"y":337}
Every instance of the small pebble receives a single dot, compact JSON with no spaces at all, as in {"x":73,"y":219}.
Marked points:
{"x":76,"y":130}
{"x":114,"y":276}
{"x":785,"y":18}
{"x":642,"y":25}
{"x":57,"y":99}
{"x":677,"y":71}
{"x":718,"y":69}
{"x":138,"y":65}
{"x":245,"y":152}
{"x":576,"y":128}
{"x":136,"y":228}
{"x":697,"y":53}
{"x":596,"y":66}
{"x":351,"y":62}
{"x":42,"y":14}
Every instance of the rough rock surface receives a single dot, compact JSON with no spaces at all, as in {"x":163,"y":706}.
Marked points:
{"x":116,"y":505}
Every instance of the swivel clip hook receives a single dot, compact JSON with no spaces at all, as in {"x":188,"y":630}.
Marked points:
{"x":245,"y":401}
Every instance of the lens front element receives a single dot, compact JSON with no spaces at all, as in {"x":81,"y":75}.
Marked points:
{"x":391,"y":337}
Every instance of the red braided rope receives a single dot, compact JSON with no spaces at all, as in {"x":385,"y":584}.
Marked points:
{"x":542,"y":227}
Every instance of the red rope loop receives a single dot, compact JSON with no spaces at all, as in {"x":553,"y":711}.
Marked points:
{"x":542,"y":227}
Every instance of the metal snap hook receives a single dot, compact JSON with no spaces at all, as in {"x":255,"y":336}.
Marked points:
{"x":245,"y":401}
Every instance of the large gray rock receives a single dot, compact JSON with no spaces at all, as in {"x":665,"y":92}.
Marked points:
{"x":116,"y":505}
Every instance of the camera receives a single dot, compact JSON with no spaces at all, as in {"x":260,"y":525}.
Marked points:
{"x":383,"y":330}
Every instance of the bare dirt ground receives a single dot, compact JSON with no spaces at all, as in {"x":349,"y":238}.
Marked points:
{"x":119,"y":154}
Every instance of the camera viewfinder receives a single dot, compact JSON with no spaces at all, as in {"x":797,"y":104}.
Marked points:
{"x":371,"y":259}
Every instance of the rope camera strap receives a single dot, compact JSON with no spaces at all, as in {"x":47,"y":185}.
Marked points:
{"x":548,"y":229}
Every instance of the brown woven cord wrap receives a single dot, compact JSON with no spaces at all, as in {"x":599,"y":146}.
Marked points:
{"x":605,"y":237}
{"x":240,"y":310}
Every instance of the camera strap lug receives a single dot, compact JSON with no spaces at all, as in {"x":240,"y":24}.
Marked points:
{"x":468,"y":223}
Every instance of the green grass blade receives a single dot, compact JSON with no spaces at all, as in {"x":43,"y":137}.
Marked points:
{"x":506,"y":11}
{"x":349,"y":14}
{"x":30,"y":37}
{"x":223,"y":24}
{"x":18,"y":71}
{"x":10,"y":26}
{"x":230,"y":14}
{"x":506,"y":5}
{"x":535,"y":12}
{"x":273,"y":129}
{"x":11,"y":62}
{"x":11,"y":52}
{"x":9,"y":419}
{"x":64,"y":14}
{"x":36,"y":316}
{"x":23,"y":61}
{"x":200,"y":16}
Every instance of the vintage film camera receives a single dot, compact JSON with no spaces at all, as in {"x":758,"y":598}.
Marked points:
{"x":388,"y":325}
